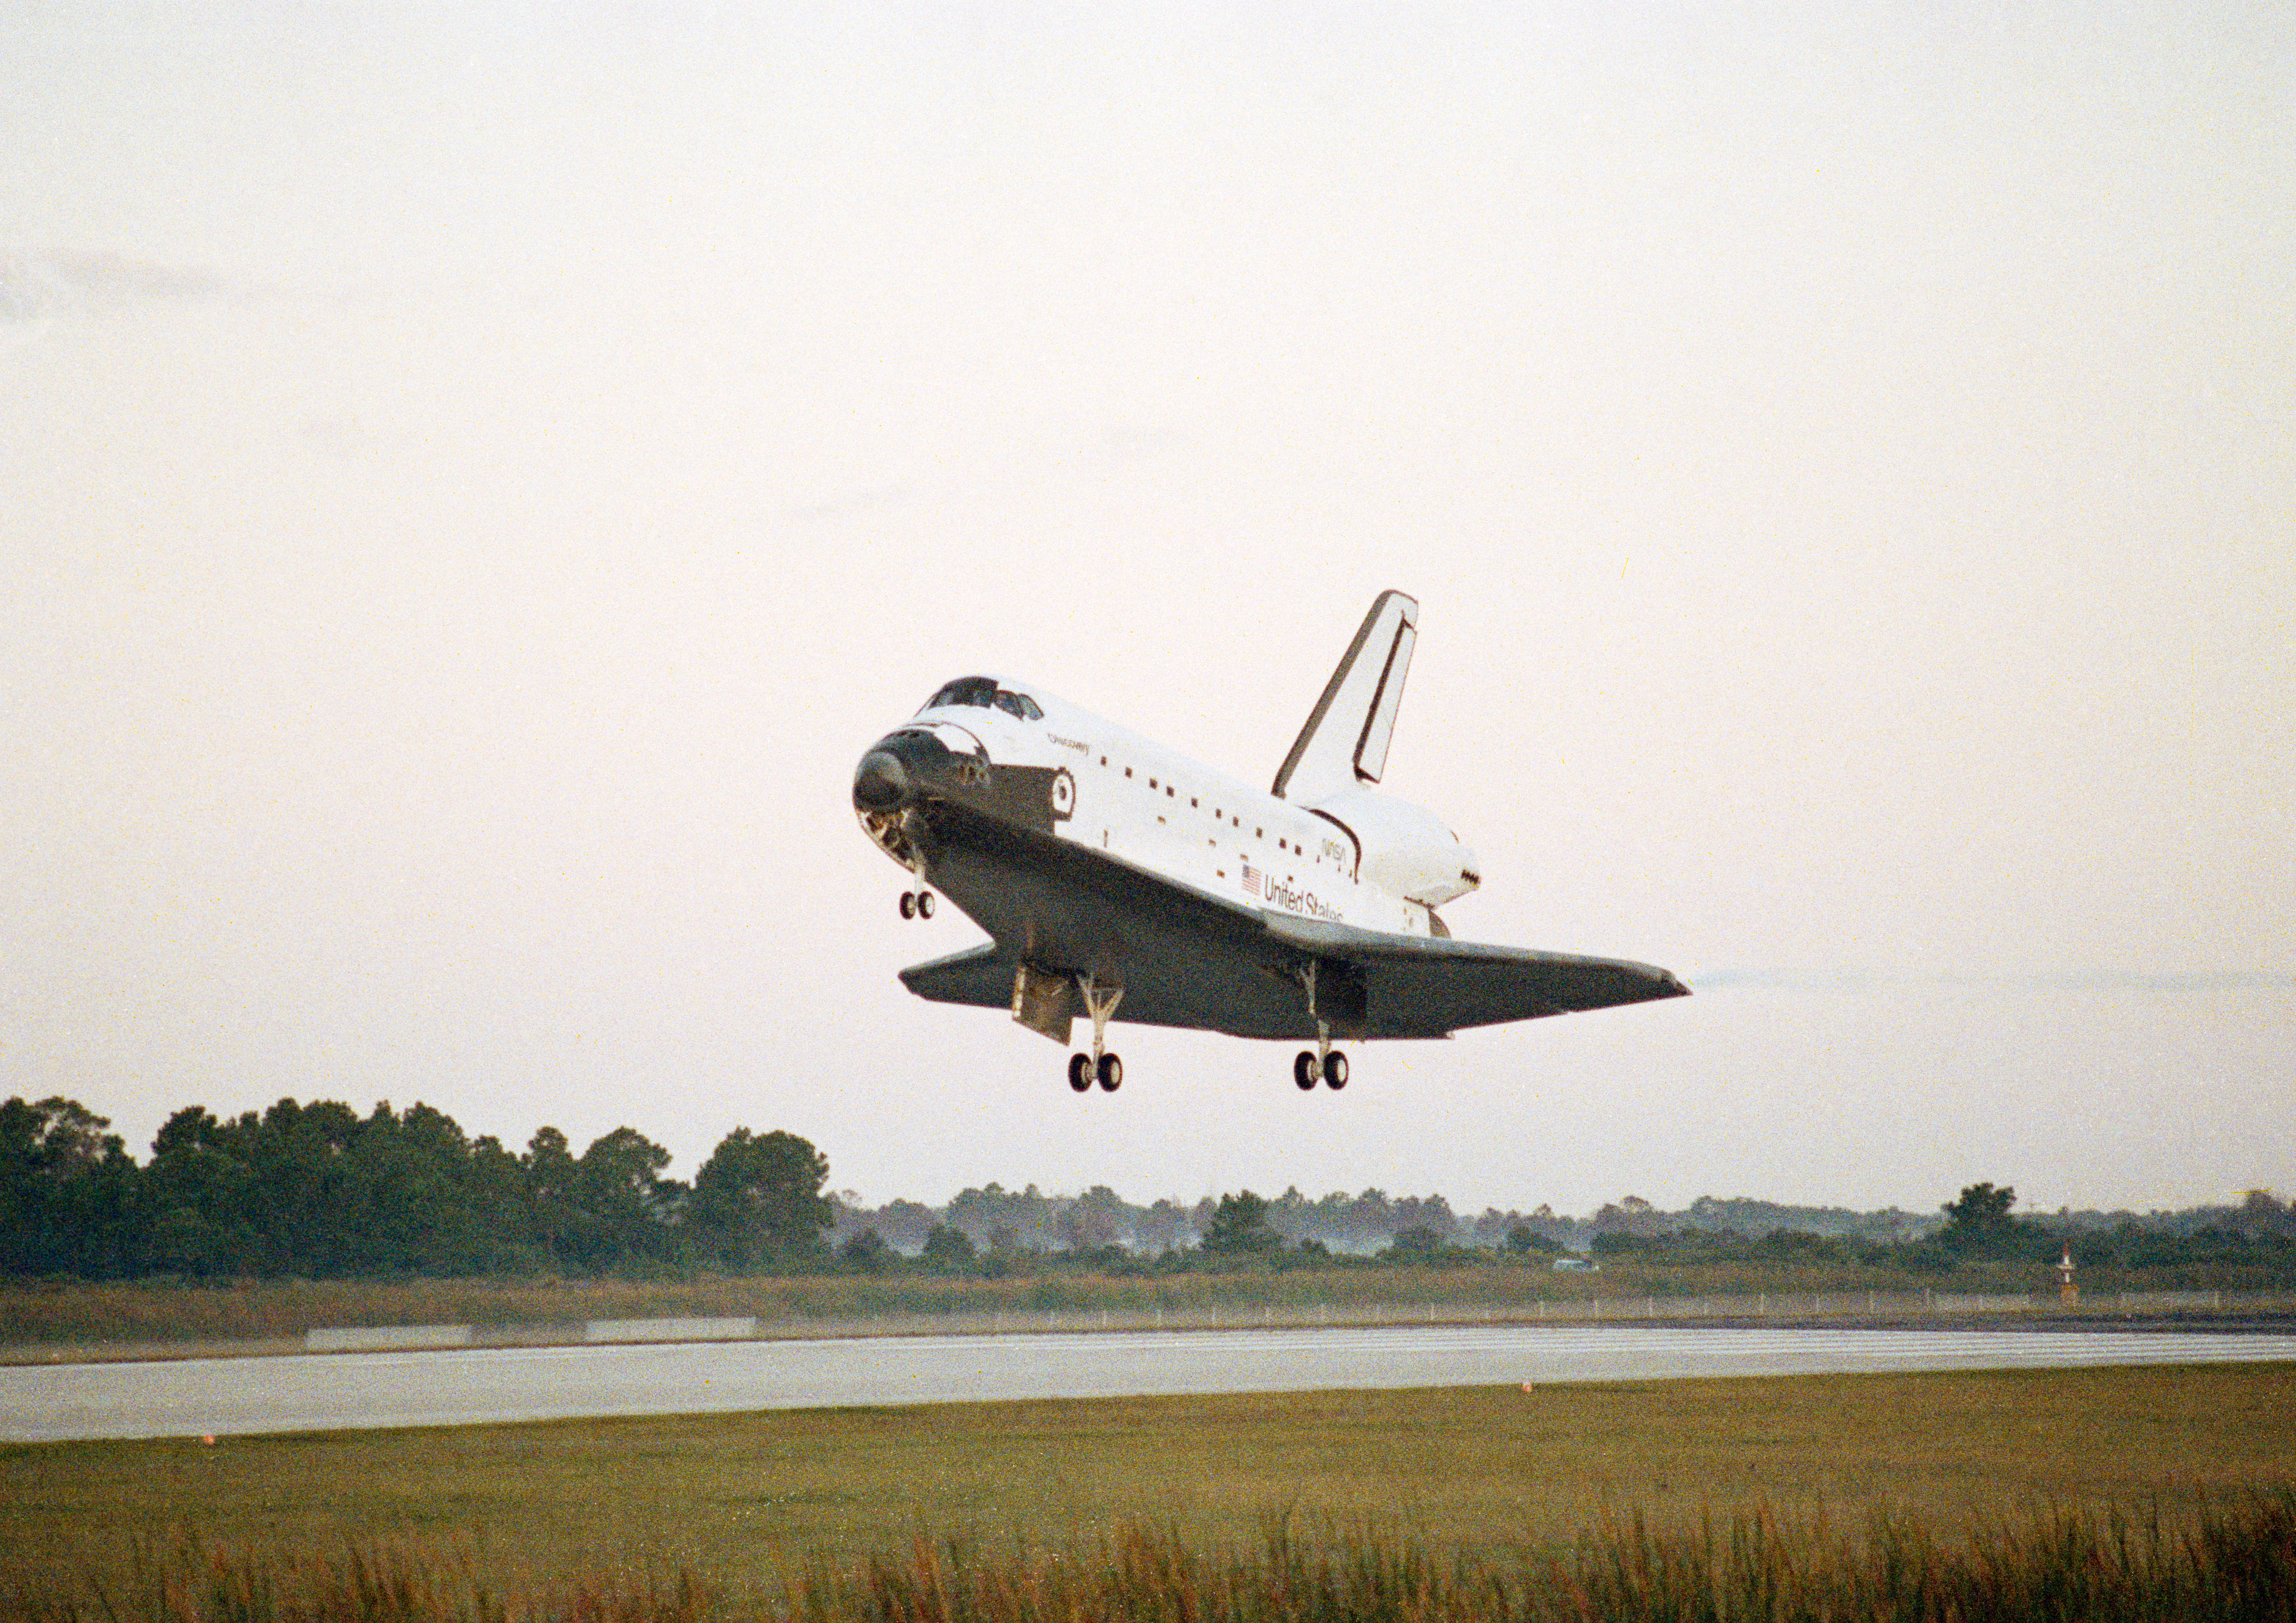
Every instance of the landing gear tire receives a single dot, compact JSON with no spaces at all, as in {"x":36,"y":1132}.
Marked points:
{"x":924,"y":904}
{"x":1303,"y":1071}
{"x":908,"y":903}
{"x":1081,"y":1072}
{"x":1335,"y":1073}
{"x":1111,"y":1073}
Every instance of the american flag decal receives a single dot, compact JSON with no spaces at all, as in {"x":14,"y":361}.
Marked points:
{"x":1252,"y":878}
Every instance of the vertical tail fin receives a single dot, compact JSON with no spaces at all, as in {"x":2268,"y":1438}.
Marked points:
{"x":1345,"y":741}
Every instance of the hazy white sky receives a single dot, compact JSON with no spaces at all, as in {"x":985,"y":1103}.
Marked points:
{"x":473,"y":480}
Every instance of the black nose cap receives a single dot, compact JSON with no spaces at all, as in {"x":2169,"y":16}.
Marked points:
{"x":880,"y":783}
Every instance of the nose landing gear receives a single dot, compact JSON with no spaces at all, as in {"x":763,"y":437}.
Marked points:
{"x":916,"y":904}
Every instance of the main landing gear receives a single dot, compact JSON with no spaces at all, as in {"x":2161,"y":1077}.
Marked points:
{"x":916,"y":904}
{"x":1108,"y":1069}
{"x":1098,"y":1066}
{"x":1322,"y":1065}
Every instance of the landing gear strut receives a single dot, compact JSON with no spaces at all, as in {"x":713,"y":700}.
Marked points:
{"x":1099,"y":1065}
{"x":917,"y":903}
{"x":1322,"y":1065}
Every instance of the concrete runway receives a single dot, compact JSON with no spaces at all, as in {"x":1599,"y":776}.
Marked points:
{"x":463,"y":1387}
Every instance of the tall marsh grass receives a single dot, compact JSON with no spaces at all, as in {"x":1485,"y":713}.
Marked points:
{"x":156,"y":1312}
{"x":2235,"y":1561}
{"x":195,"y":1582}
{"x":2231,"y":1562}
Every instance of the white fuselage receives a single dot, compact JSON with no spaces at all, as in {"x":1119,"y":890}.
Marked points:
{"x":1158,"y":810}
{"x":1118,"y":880}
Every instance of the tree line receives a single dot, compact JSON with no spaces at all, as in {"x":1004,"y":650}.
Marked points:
{"x":1979,"y":1226}
{"x":319,"y":1190}
{"x":998,"y":1221}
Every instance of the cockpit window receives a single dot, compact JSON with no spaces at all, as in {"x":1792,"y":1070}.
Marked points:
{"x":964,"y":690}
{"x":982,"y":692}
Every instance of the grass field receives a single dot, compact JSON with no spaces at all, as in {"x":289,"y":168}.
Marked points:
{"x":81,"y":1319}
{"x":743,"y":1501}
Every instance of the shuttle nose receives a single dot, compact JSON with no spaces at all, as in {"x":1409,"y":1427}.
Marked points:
{"x":880,"y":783}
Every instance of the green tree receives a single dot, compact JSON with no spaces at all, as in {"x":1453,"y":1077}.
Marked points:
{"x":1162,"y":1227}
{"x":1094,"y":1220}
{"x":1977,"y":1223}
{"x":426,"y":1199}
{"x":950,"y":1249}
{"x":866,"y":1252}
{"x":200,"y":1193}
{"x":499,"y":1211}
{"x":305,"y":1200}
{"x":552,"y":1206}
{"x":2260,"y":1214}
{"x":68,"y":1192}
{"x":1522,"y":1240}
{"x":1417,"y":1243}
{"x":1027,"y":1214}
{"x":1239,"y":1227}
{"x":758,"y":1201}
{"x":408,"y":1175}
{"x":621,"y":1201}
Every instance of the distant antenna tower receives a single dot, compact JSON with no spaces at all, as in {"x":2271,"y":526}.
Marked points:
{"x":2067,"y":1293}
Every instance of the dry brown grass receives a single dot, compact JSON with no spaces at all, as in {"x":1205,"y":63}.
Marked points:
{"x":86,"y":1318}
{"x":740,"y":1499}
{"x":2231,"y":1562}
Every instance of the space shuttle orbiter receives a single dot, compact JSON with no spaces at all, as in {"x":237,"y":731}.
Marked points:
{"x":1119,"y":880}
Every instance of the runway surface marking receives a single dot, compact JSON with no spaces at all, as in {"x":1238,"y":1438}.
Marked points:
{"x":340,"y":1391}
